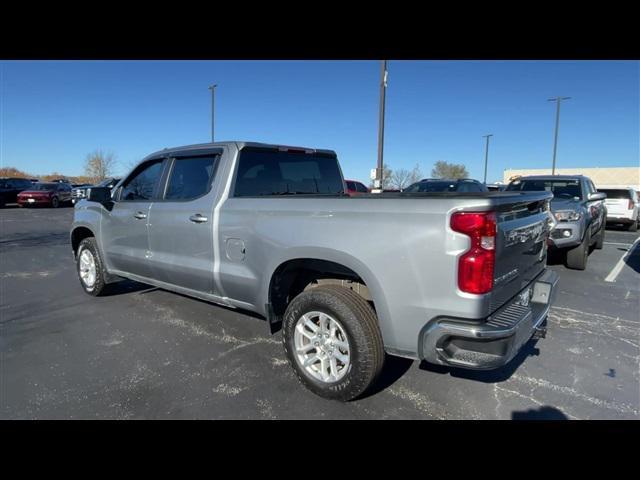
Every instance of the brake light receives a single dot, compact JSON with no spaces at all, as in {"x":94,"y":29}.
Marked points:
{"x":631,"y":205}
{"x":475,"y":267}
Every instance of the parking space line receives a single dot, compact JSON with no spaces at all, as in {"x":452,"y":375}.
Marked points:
{"x":618,"y":268}
{"x":617,"y":243}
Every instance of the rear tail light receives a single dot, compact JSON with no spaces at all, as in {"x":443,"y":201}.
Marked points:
{"x":631,"y":204}
{"x":475,"y":267}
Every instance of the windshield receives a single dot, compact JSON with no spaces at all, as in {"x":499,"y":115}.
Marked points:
{"x":44,"y":186}
{"x":559,"y":188}
{"x":107,"y":182}
{"x":437,"y":186}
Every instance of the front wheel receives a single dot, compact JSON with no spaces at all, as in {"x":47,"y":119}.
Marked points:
{"x":55,"y":203}
{"x":577,"y":257}
{"x":332,"y":340}
{"x":90,"y":268}
{"x":600,"y":241}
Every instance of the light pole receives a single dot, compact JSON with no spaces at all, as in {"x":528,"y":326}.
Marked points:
{"x":213,"y":99}
{"x":555,"y":141}
{"x":383,"y":89}
{"x":486,"y":155}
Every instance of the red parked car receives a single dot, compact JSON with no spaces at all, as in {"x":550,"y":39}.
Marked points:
{"x":50,"y":194}
{"x":355,"y":188}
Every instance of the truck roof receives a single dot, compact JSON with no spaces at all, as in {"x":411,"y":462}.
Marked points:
{"x":240,"y":145}
{"x":550,"y":177}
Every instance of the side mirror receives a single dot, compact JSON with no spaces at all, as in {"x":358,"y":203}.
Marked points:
{"x":99,"y":194}
{"x":597,"y":196}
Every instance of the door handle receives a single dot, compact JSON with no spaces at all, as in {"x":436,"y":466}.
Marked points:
{"x":140,"y":215}
{"x":197,"y":218}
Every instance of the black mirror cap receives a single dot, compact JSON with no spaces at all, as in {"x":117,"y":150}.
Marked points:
{"x":99,"y":194}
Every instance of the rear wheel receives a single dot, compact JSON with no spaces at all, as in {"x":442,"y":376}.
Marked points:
{"x":577,"y":257}
{"x":332,"y":340}
{"x":633,"y":227}
{"x":55,"y":203}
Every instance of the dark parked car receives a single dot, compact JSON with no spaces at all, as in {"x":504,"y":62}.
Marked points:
{"x":579,"y":210}
{"x":446,"y":185}
{"x":80,"y":191}
{"x":355,"y":188}
{"x":11,"y":187}
{"x":49,"y":193}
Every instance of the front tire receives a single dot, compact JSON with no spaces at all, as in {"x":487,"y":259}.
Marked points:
{"x":90,"y":267}
{"x":577,"y":257}
{"x":332,"y":340}
{"x":55,"y":203}
{"x":600,"y":241}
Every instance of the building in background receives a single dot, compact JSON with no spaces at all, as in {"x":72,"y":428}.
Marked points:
{"x":603,"y":177}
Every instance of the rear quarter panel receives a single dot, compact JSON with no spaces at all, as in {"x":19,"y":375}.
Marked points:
{"x":403,"y":249}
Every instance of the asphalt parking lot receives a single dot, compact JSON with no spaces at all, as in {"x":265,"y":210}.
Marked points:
{"x":146,"y":353}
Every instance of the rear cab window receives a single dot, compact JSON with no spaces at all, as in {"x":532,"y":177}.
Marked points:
{"x":278,"y":173}
{"x":616,"y":193}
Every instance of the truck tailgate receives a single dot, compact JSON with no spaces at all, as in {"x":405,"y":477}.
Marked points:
{"x":523,"y":226}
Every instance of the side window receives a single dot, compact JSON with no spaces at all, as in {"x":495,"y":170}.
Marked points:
{"x":190,"y":178}
{"x":352,"y":186}
{"x":361,"y":188}
{"x":469,"y":187}
{"x":142,"y":183}
{"x":587,"y":184}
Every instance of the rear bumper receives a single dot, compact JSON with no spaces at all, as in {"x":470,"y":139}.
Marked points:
{"x":621,"y":218}
{"x":496,"y":340}
{"x":36,"y":201}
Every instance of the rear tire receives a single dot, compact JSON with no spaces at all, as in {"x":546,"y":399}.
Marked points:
{"x":357,"y":328}
{"x":633,"y":227}
{"x":90,"y":268}
{"x":55,"y":203}
{"x":600,"y":241}
{"x":577,"y":257}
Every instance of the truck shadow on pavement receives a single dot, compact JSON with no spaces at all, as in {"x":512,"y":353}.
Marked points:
{"x":543,"y":413}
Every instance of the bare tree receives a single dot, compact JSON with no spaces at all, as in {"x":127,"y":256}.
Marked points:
{"x":99,"y":165}
{"x":402,"y":178}
{"x":444,"y":169}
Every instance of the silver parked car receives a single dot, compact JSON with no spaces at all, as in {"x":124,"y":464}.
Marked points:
{"x":454,"y":278}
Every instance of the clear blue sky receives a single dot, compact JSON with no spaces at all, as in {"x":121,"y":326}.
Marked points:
{"x":52,"y":114}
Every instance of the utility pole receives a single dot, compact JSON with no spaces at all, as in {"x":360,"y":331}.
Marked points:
{"x":213,"y":99}
{"x":555,"y":141}
{"x":486,"y":156}
{"x":383,"y":88}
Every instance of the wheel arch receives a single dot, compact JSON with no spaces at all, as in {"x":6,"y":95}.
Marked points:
{"x":78,"y":234}
{"x":293,"y":274}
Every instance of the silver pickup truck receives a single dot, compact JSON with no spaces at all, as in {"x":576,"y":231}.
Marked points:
{"x":456,"y":279}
